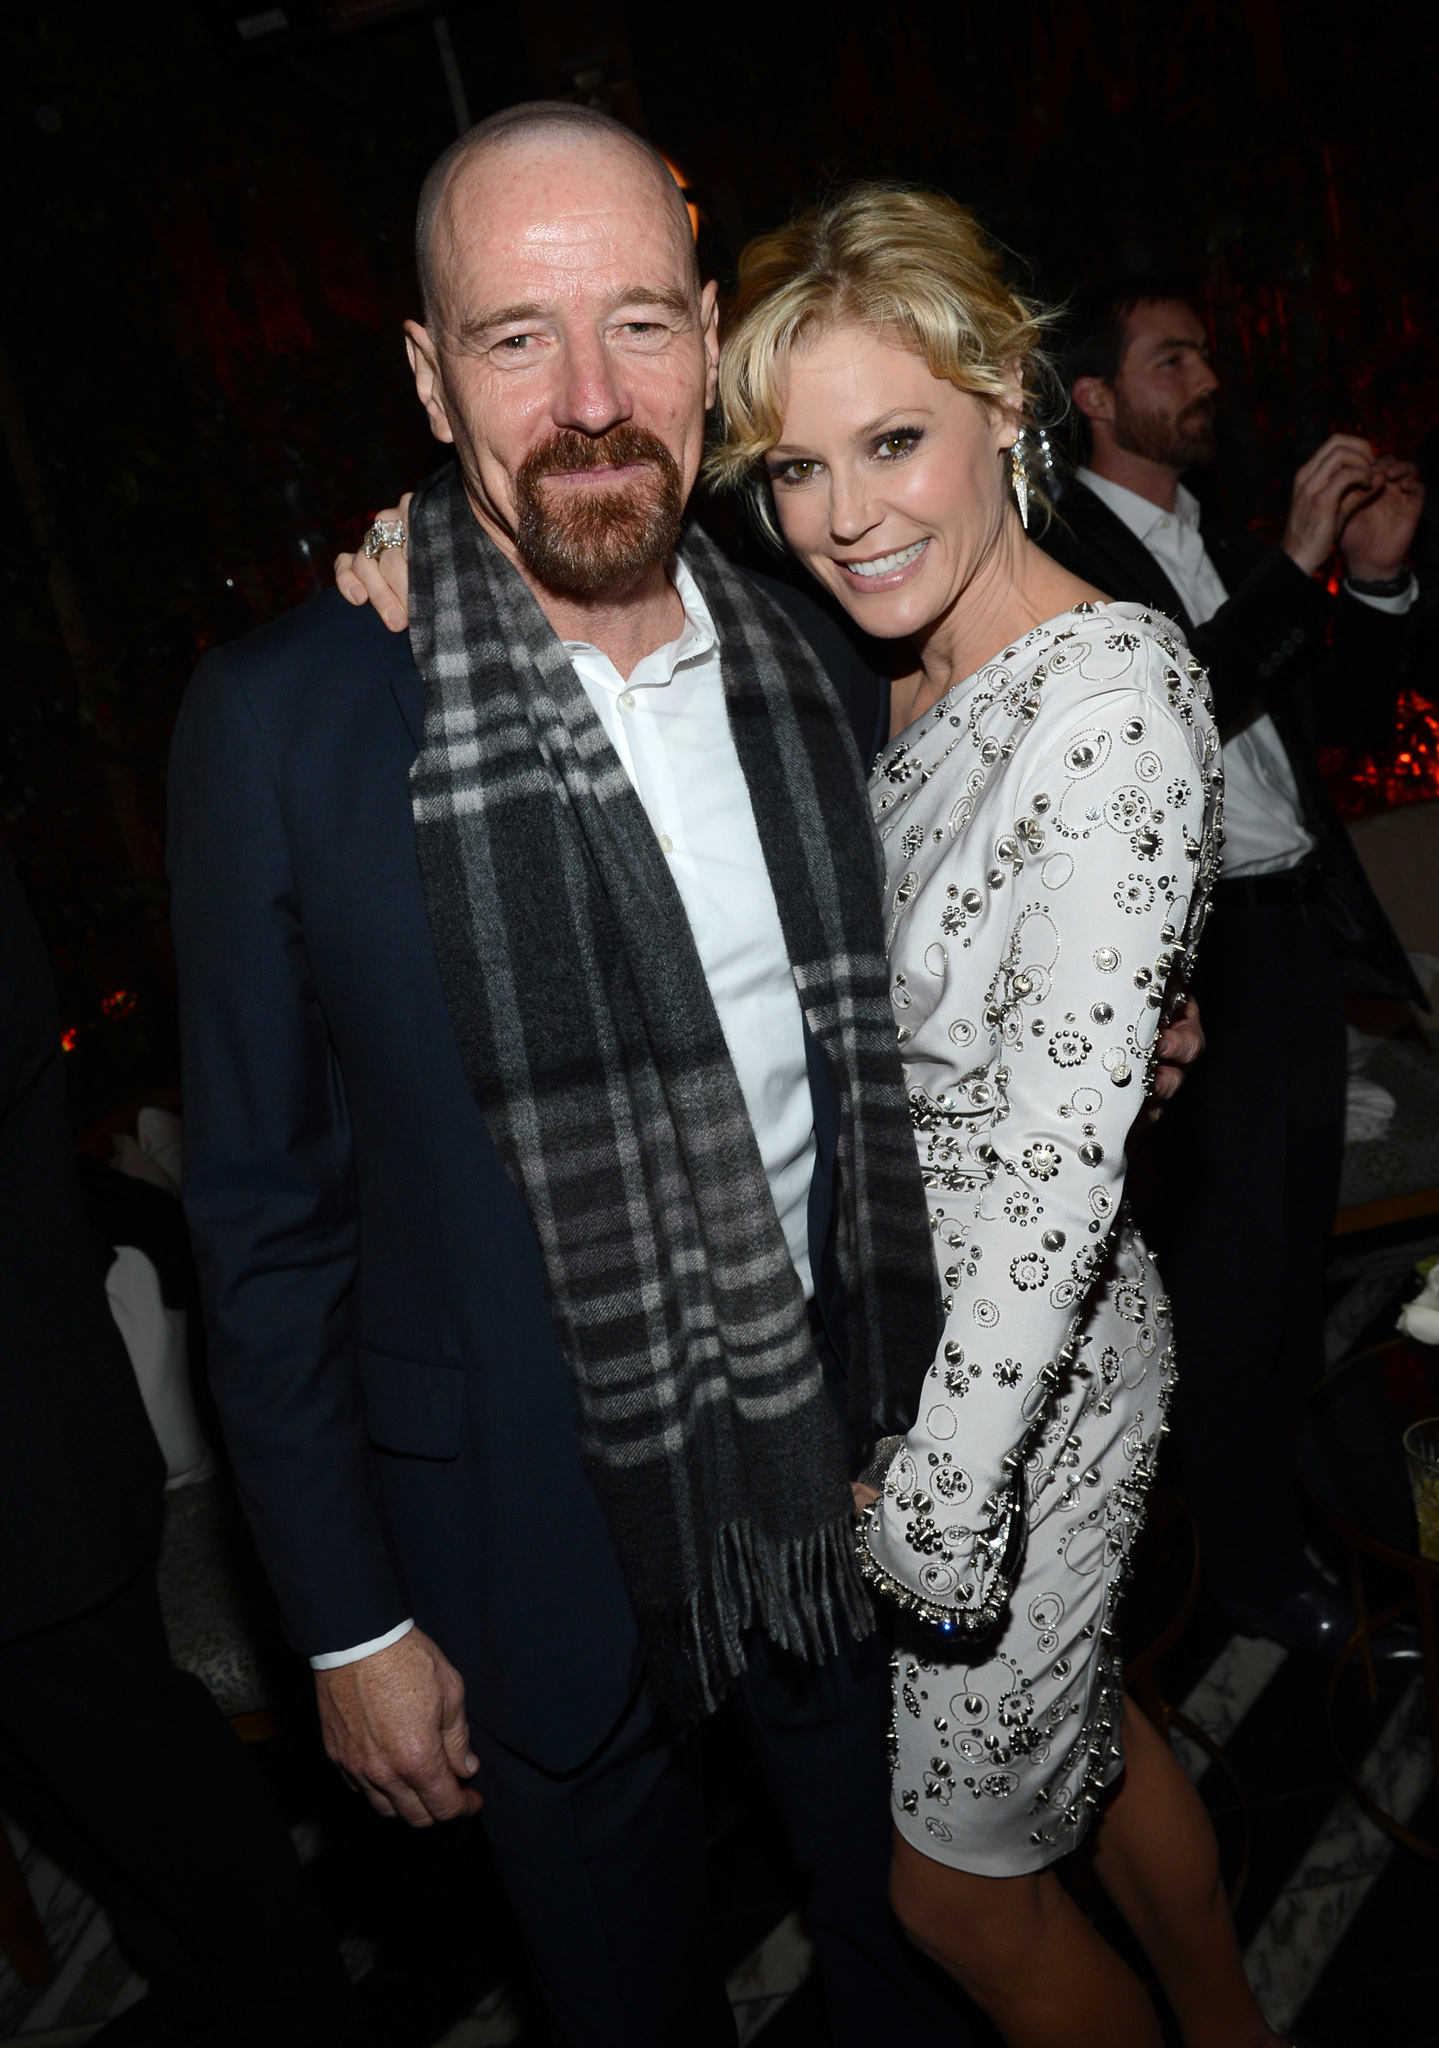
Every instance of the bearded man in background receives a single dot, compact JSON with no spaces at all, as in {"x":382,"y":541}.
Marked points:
{"x":1251,"y":1151}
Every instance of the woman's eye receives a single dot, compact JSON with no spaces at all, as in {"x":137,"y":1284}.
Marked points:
{"x":801,"y":472}
{"x":900,"y":443}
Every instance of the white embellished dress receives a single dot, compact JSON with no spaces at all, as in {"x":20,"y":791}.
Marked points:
{"x":1050,"y":832}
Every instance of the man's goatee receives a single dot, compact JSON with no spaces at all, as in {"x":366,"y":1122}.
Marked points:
{"x":598,"y":540}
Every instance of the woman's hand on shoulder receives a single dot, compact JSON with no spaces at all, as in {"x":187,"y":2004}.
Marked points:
{"x":382,"y":580}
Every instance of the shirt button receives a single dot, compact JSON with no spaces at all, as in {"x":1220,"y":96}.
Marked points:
{"x":667,"y":844}
{"x":627,"y":698}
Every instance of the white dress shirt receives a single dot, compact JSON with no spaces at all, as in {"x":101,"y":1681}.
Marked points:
{"x":669,"y":725}
{"x":1264,"y":830}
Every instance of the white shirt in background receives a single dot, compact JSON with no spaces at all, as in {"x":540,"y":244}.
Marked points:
{"x":1264,"y":829}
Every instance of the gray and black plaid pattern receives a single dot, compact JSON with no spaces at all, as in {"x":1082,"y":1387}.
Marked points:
{"x":591,"y":1042}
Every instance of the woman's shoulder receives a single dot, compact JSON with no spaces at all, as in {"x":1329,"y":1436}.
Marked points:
{"x":1121,"y":648}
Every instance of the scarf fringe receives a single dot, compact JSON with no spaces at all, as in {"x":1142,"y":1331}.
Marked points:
{"x":796,"y":1593}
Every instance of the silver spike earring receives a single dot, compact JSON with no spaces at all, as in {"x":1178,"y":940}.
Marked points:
{"x":1019,"y":479}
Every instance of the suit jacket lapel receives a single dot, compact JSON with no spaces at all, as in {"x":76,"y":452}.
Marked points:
{"x":1106,"y":536}
{"x":408,"y":688}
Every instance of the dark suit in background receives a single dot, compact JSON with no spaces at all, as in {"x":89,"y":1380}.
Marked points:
{"x":120,"y":1764}
{"x":1251,"y":1149}
{"x":399,"y":1415}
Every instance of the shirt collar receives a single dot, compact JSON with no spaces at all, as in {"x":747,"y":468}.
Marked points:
{"x":1143,"y":518}
{"x":697,"y":639}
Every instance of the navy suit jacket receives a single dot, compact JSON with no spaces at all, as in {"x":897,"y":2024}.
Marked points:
{"x":399,"y":1417}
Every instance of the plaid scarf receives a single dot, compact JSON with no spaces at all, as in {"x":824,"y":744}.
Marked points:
{"x":591,"y":1042}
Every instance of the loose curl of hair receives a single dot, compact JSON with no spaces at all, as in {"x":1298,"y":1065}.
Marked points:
{"x":907,"y":262}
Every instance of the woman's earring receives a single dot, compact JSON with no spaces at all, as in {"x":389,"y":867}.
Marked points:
{"x":1019,"y":478}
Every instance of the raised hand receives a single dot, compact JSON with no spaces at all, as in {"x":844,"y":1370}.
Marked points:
{"x":1327,"y":490}
{"x":1376,"y":535}
{"x":395,"y":1725}
{"x":381,"y":580}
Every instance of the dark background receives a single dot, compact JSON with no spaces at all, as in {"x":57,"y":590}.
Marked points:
{"x":208,"y":257}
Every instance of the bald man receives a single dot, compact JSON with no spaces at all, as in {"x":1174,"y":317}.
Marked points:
{"x":561,"y":1265}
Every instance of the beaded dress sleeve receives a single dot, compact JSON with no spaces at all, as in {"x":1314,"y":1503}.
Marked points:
{"x":1049,"y":841}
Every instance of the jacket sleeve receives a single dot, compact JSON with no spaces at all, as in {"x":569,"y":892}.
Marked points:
{"x":1281,"y":630}
{"x":1356,"y":688}
{"x":1269,"y":634}
{"x":268,"y":1184}
{"x":947,"y":1534}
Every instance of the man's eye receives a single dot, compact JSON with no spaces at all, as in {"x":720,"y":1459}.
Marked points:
{"x":515,"y":344}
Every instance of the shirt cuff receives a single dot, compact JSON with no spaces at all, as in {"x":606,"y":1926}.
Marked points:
{"x":1397,"y":605}
{"x":333,"y":1659}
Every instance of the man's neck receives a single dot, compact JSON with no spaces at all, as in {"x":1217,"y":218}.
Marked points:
{"x":625,"y":625}
{"x":1156,"y":481}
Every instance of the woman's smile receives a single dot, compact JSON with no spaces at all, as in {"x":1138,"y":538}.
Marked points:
{"x":884,"y":572}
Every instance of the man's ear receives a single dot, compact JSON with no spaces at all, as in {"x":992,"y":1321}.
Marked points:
{"x":429,"y":384}
{"x":709,"y":327}
{"x":1094,"y":398}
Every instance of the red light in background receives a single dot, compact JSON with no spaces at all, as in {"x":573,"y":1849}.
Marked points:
{"x":1405,"y":772}
{"x":67,"y":1039}
{"x":120,"y":1004}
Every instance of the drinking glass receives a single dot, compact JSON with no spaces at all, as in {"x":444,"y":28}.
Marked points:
{"x":1421,"y":1448}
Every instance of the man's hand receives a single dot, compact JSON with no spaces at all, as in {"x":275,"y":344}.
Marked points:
{"x":1330,"y":486}
{"x":1180,"y":1044}
{"x":382,"y":580}
{"x":395,"y":1724}
{"x":1376,"y":535}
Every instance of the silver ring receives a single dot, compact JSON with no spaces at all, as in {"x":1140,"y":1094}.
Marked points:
{"x":385,"y":533}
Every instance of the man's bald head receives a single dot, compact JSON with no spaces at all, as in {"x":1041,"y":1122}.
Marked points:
{"x":551,"y":124}
{"x":568,"y":352}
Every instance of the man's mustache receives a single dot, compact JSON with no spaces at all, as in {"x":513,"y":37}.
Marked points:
{"x":620,"y":447}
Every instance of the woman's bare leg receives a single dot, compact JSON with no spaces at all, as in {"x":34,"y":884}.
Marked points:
{"x":1155,"y":1854}
{"x":1024,"y":1952}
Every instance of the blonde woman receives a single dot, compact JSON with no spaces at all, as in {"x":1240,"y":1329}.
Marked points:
{"x":1048,"y":804}
{"x":1049,"y":809}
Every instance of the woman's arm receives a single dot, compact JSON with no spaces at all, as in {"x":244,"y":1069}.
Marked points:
{"x":1076,"y":1000}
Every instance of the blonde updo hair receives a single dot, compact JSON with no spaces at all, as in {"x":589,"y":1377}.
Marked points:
{"x":893,"y":257}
